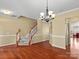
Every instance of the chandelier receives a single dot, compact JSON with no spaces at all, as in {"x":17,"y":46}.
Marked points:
{"x":49,"y":15}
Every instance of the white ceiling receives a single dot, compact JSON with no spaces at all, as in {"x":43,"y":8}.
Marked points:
{"x":32,"y":8}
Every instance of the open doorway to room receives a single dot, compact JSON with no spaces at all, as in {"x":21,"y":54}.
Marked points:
{"x":74,"y":38}
{"x":74,"y":33}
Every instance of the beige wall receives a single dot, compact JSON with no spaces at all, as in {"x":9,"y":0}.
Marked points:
{"x":42,"y":32}
{"x":58,"y":28}
{"x":38,"y":36}
{"x":45,"y":30}
{"x":9,"y":26}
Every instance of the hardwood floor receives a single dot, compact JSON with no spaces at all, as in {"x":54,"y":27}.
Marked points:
{"x":41,"y":50}
{"x":74,"y":47}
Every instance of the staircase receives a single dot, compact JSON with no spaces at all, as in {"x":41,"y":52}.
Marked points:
{"x":26,"y":40}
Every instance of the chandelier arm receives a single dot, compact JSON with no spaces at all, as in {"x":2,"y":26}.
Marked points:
{"x":47,"y":8}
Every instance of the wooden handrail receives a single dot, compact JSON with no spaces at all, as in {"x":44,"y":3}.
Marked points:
{"x":33,"y":27}
{"x":30,"y":36}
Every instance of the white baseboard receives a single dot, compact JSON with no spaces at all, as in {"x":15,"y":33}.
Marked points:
{"x":38,"y":41}
{"x":58,"y":46}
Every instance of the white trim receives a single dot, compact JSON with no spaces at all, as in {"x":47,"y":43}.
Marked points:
{"x":61,"y":13}
{"x":7,"y":35}
{"x":58,"y":46}
{"x":58,"y":36}
{"x":1,"y":45}
{"x":53,"y":42}
{"x":39,"y":41}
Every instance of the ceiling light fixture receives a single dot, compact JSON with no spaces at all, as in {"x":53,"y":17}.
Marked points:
{"x":49,"y":15}
{"x":6,"y":12}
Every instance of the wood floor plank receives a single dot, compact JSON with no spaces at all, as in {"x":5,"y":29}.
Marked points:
{"x":41,"y":50}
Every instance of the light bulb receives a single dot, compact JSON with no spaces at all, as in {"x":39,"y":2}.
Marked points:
{"x":41,"y":14}
{"x":50,"y":12}
{"x":53,"y":15}
{"x":6,"y":11}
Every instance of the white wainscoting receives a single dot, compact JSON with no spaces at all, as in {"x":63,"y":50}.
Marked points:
{"x":39,"y":38}
{"x":58,"y":41}
{"x":7,"y":40}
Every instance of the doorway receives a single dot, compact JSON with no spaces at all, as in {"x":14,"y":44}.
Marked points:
{"x":74,"y":39}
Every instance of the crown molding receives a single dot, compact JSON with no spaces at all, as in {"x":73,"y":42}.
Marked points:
{"x":72,"y":10}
